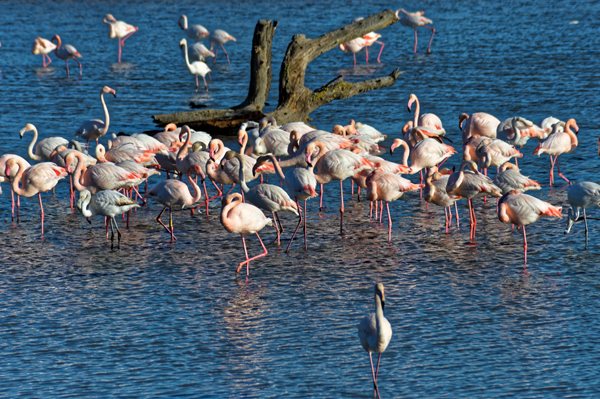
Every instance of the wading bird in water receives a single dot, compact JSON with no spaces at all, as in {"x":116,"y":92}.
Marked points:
{"x":558,"y":143}
{"x":375,"y":332}
{"x":414,"y":20}
{"x":119,"y":29}
{"x":219,"y":37}
{"x":66,"y":52}
{"x":582,"y":195}
{"x":197,"y":68}
{"x":44,"y":47}
{"x":93,"y":129}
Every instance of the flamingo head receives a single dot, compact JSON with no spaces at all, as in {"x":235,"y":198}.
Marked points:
{"x":170,"y":127}
{"x":108,"y":19}
{"x":106,"y":90}
{"x":340,"y":130}
{"x":395,"y":145}
{"x":461,"y":118}
{"x":182,"y":43}
{"x":28,"y":127}
{"x":197,"y":170}
{"x":182,"y":22}
{"x":55,"y":37}
{"x":343,"y":47}
{"x":411,"y":99}
{"x":260,"y":161}
{"x":379,"y":293}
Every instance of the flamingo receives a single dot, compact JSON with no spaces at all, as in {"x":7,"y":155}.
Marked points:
{"x":523,"y":209}
{"x":558,"y":143}
{"x":44,"y":148}
{"x":142,"y":142}
{"x":335,"y":165}
{"x":274,"y":141}
{"x":495,"y":152}
{"x":299,"y":183}
{"x":106,"y":203}
{"x":196,"y":32}
{"x":371,"y":37}
{"x":470,"y":148}
{"x":197,"y":68}
{"x":35,"y":179}
{"x":93,"y":129}
{"x":353,"y":46}
{"x":435,"y":192}
{"x":384,"y":186}
{"x":415,"y":20}
{"x":125,"y":152}
{"x":427,"y":152}
{"x":375,"y":332}
{"x":580,"y":196}
{"x":300,"y":127}
{"x":518,"y":130}
{"x":219,"y":37}
{"x":66,"y":52}
{"x":479,"y":124}
{"x":240,"y":218}
{"x":197,"y":52}
{"x":174,"y":194}
{"x":266,"y":196}
{"x":119,"y":29}
{"x":510,"y":179}
{"x":471,"y":184}
{"x":9,"y":178}
{"x":44,"y":47}
{"x":368,"y":130}
{"x":429,"y":121}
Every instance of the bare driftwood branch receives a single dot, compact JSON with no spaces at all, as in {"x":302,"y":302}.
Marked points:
{"x":296,"y":101}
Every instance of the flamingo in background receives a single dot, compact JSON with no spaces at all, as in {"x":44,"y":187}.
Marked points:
{"x":518,"y":130}
{"x":375,"y":332}
{"x":196,"y":32}
{"x":121,"y":30}
{"x":510,"y":179}
{"x":106,"y":203}
{"x":435,"y":192}
{"x":198,"y":52}
{"x":66,"y":52}
{"x":371,"y":38}
{"x":44,"y":148}
{"x":197,"y":68}
{"x":9,"y":178}
{"x":219,"y":37}
{"x":103,"y":176}
{"x":581,"y":195}
{"x":240,"y":218}
{"x":523,"y":209}
{"x":430,"y":122}
{"x":558,"y":143}
{"x":414,"y":20}
{"x":479,"y":124}
{"x":174,"y":194}
{"x":35,"y":179}
{"x":353,"y":46}
{"x":93,"y":129}
{"x":44,"y":47}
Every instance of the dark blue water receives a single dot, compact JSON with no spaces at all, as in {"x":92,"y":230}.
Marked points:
{"x":170,"y":320}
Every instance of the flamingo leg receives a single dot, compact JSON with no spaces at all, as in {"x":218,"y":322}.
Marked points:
{"x":373,"y":373}
{"x":279,"y":221}
{"x":382,"y":45}
{"x":354,"y":55}
{"x":247,"y":262}
{"x":12,"y":199}
{"x":560,"y":174}
{"x":81,"y":74}
{"x":551,"y":170}
{"x":341,"y":208}
{"x":358,"y":194}
{"x":196,"y":83}
{"x":216,"y":53}
{"x":586,"y":228}
{"x":67,"y":62}
{"x":371,"y":210}
{"x":380,"y":212}
{"x":232,"y":186}
{"x":367,"y":53}
{"x":171,"y":225}
{"x":118,"y":233}
{"x":446,"y":219}
{"x":525,"y":244}
{"x":430,"y":39}
{"x":112,"y":233}
{"x":225,"y":51}
{"x":41,"y":212}
{"x":321,"y":208}
{"x":162,"y":224}
{"x":305,"y":216}
{"x":276,"y":227}
{"x":456,"y":212}
{"x":205,"y":85}
{"x":415,"y":40}
{"x":120,"y":44}
{"x":450,"y":217}
{"x":297,"y":227}
{"x":18,"y":209}
{"x":128,"y":36}
{"x":387,"y":204}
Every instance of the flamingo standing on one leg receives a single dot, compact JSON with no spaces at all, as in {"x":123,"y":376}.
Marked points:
{"x":523,"y":209}
{"x":375,"y":332}
{"x":239,"y":217}
{"x":414,"y":20}
{"x":582,"y":195}
{"x":558,"y":143}
{"x":44,"y":47}
{"x":119,"y":29}
{"x":106,"y":203}
{"x":66,"y":52}
{"x":35,"y":179}
{"x":93,"y":129}
{"x":219,"y":37}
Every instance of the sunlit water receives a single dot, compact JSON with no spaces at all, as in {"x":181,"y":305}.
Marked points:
{"x":170,"y":320}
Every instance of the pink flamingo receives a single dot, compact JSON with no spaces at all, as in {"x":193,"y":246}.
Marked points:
{"x":518,"y":130}
{"x":335,"y":165}
{"x":430,"y":122}
{"x":353,"y":46}
{"x":299,"y":183}
{"x":124,"y":152}
{"x":240,"y":218}
{"x":119,"y":29}
{"x":371,"y":37}
{"x":435,"y":193}
{"x":523,"y":209}
{"x":580,"y":196}
{"x":510,"y":179}
{"x":106,"y":203}
{"x":35,"y":179}
{"x":104,"y":176}
{"x":93,"y":129}
{"x":495,"y":152}
{"x":479,"y":124}
{"x":66,"y":52}
{"x":384,"y":186}
{"x":44,"y":47}
{"x":471,"y":184}
{"x":174,"y":194}
{"x":9,"y":178}
{"x":196,"y":32}
{"x":427,"y":152}
{"x":558,"y":143}
{"x":219,"y":37}
{"x":415,"y":20}
{"x":375,"y":332}
{"x":44,"y":148}
{"x":470,"y":148}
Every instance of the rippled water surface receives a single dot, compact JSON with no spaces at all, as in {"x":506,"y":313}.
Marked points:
{"x":170,"y":320}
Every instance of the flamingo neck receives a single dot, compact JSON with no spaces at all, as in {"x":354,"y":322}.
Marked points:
{"x":197,"y":193}
{"x":77,"y":173}
{"x":225,"y":221}
{"x":572,"y":135}
{"x":502,"y":215}
{"x":85,"y":211}
{"x":185,"y":51}
{"x":417,"y":112}
{"x":378,"y":309}
{"x":241,"y":175}
{"x":106,"y":115}
{"x":33,"y":156}
{"x":183,"y":150}
{"x":57,"y":46}
{"x":244,"y":142}
{"x":22,"y":191}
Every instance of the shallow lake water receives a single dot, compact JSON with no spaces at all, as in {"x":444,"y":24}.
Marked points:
{"x":155,"y":319}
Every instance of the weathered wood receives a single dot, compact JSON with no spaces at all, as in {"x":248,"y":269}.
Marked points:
{"x":296,"y":101}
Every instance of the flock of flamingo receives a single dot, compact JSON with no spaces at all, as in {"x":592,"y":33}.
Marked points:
{"x":121,"y":30}
{"x":108,"y":179}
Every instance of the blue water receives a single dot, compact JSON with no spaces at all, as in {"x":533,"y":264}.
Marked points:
{"x":170,"y":320}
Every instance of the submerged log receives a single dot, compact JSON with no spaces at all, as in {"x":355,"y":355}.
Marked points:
{"x":296,"y":101}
